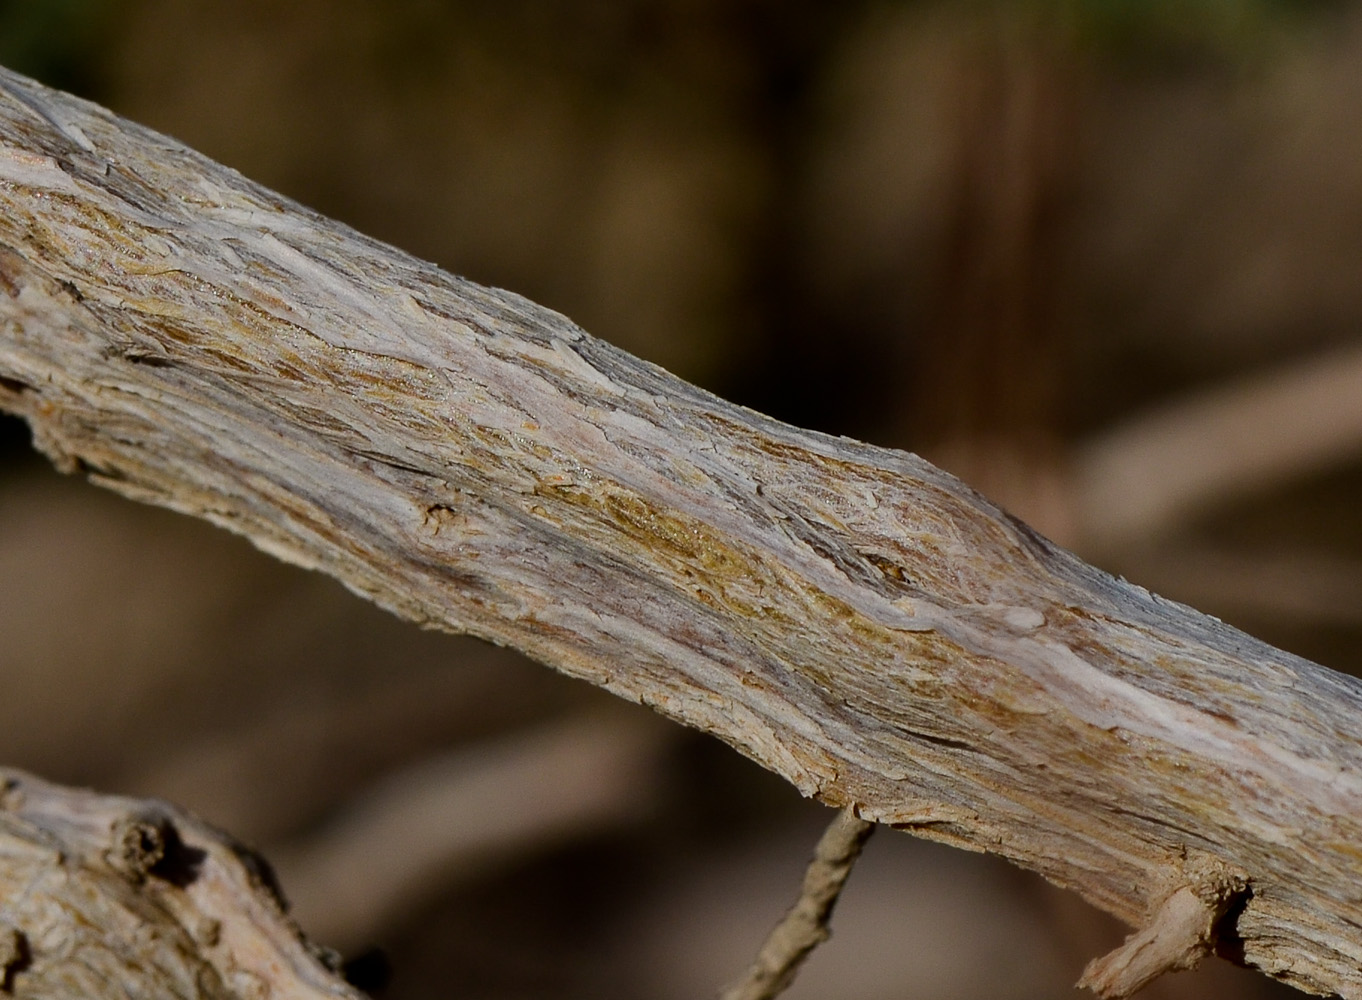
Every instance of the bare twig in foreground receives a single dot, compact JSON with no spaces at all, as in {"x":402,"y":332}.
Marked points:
{"x":805,"y":926}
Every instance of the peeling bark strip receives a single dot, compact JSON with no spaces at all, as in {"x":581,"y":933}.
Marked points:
{"x":851,"y":617}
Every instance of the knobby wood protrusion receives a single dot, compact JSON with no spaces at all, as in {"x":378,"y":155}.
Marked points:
{"x":849,"y":616}
{"x":102,"y":896}
{"x":1183,"y":930}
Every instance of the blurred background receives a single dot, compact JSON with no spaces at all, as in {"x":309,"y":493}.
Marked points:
{"x":1100,"y":258}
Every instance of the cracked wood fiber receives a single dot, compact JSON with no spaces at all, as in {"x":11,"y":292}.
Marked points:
{"x":103,"y":896}
{"x":852,"y":618}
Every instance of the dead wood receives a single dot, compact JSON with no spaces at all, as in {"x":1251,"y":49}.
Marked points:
{"x":806,"y":925}
{"x":849,"y":616}
{"x":102,"y":896}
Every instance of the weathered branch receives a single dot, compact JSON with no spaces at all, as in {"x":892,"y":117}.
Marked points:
{"x":851,"y":617}
{"x":805,"y":926}
{"x":103,"y":896}
{"x":1182,"y":931}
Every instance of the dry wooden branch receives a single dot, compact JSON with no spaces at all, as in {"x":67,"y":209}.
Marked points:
{"x":805,"y":926}
{"x":1181,"y":933}
{"x":103,"y":896}
{"x":851,"y":617}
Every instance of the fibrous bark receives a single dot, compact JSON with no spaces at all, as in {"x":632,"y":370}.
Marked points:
{"x":851,"y":617}
{"x":102,"y":896}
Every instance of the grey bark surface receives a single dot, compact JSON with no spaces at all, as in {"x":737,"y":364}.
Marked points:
{"x":851,"y":617}
{"x":102,"y":896}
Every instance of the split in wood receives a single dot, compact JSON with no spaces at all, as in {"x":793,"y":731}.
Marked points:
{"x":805,"y":926}
{"x":14,"y":955}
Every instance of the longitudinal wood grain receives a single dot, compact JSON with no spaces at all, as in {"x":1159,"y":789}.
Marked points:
{"x":850,"y":617}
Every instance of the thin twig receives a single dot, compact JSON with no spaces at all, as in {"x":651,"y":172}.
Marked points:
{"x":805,"y":926}
{"x":1177,"y":935}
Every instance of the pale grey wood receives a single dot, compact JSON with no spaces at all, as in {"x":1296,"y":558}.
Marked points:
{"x":850,"y":617}
{"x":102,"y":896}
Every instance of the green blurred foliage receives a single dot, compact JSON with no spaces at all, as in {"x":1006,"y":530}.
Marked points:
{"x":56,"y":41}
{"x":1164,"y":34}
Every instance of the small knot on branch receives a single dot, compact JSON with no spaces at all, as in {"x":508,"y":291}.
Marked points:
{"x":138,"y":843}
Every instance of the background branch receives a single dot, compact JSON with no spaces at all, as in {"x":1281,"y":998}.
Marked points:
{"x":1181,"y":459}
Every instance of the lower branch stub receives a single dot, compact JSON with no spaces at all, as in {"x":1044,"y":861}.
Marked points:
{"x":1181,"y":932}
